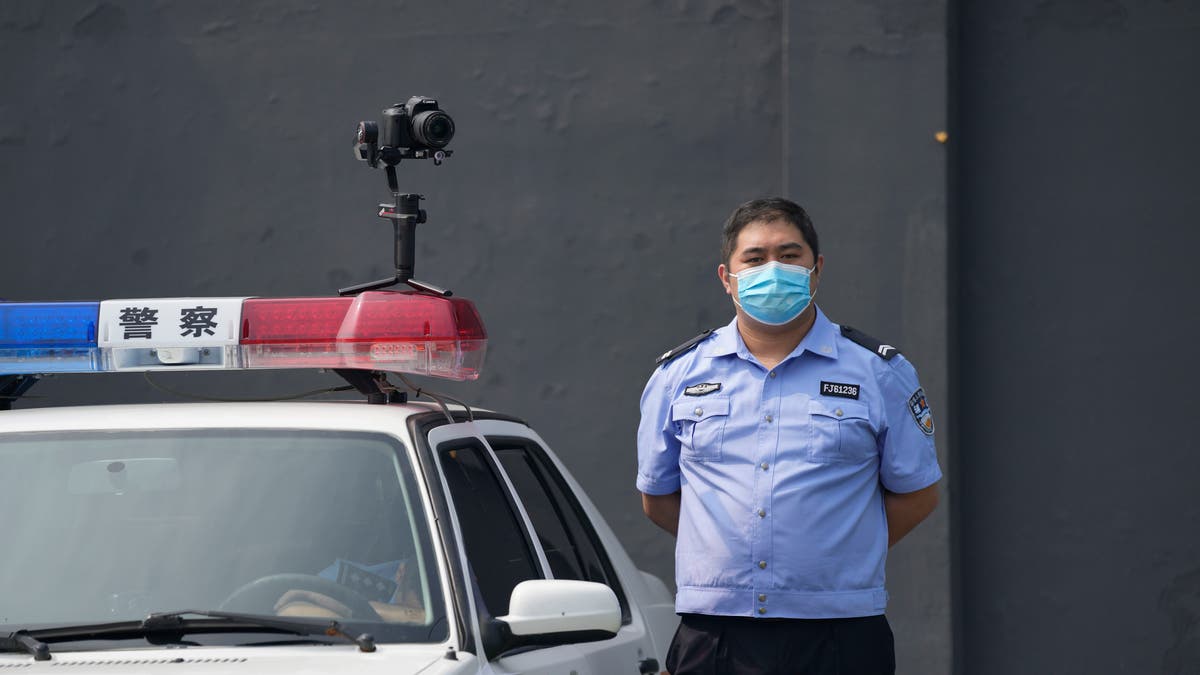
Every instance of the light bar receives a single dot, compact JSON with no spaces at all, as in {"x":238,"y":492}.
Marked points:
{"x":403,"y":332}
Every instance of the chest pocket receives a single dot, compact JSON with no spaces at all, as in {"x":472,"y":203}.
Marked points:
{"x":841,"y":432}
{"x":700,"y":425}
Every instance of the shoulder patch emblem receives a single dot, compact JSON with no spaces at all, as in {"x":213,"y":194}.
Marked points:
{"x":884,"y":351}
{"x":670,"y":354}
{"x":702,"y":389}
{"x":920,"y":411}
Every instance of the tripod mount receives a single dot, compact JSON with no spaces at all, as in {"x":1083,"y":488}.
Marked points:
{"x":406,"y":213}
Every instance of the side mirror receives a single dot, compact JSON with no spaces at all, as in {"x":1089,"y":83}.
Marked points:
{"x":560,"y":611}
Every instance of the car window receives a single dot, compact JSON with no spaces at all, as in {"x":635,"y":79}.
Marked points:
{"x":497,"y":545}
{"x":572,"y":546}
{"x":133,"y":522}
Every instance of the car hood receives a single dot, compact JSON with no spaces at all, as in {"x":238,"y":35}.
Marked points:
{"x":391,"y":659}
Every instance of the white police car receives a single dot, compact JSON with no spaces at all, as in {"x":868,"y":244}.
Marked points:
{"x":381,"y":536}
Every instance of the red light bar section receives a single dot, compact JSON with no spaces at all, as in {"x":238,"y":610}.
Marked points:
{"x":292,"y":320}
{"x":390,"y":316}
{"x":369,"y":317}
{"x":379,"y":330}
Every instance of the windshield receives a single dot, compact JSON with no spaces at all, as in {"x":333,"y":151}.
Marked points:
{"x":112,"y":526}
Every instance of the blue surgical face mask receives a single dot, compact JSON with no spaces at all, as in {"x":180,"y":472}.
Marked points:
{"x":774,"y":293}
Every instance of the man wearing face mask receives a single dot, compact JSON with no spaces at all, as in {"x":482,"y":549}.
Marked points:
{"x":787,"y":454}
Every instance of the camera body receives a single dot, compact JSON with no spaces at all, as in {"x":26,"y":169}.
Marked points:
{"x":415,"y":129}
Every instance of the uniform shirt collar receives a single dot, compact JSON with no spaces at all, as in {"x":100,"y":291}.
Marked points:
{"x":821,"y":340}
{"x":727,"y":341}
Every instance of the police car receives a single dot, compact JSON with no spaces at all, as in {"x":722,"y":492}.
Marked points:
{"x":378,"y":535}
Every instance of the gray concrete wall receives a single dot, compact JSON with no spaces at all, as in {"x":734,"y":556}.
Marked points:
{"x":1078,"y":515}
{"x":179,"y":148}
{"x":866,"y":97}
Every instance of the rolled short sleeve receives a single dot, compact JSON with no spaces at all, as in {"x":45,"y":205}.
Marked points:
{"x":657,"y":446}
{"x":908,"y":456}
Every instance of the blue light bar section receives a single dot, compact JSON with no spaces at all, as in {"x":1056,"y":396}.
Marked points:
{"x":49,"y":337}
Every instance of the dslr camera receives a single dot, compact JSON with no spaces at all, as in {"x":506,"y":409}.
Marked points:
{"x":415,"y":129}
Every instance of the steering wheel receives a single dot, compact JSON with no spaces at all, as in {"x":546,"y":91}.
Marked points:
{"x":265,"y":591}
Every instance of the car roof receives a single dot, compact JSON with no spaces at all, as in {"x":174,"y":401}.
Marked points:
{"x":335,"y":415}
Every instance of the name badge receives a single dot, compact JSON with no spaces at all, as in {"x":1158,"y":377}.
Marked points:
{"x":839,"y":389}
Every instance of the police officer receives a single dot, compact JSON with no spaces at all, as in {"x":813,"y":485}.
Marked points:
{"x":787,"y":454}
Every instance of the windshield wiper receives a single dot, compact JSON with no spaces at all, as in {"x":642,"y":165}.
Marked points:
{"x":174,"y":621}
{"x":22,"y":641}
{"x":174,"y":625}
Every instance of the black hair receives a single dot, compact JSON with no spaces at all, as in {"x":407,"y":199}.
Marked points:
{"x":767,"y":210}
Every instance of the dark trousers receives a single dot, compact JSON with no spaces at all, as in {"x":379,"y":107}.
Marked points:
{"x":734,"y":645}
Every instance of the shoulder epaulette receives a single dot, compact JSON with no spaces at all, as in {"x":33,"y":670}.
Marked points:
{"x":683,"y":347}
{"x":885,"y":352}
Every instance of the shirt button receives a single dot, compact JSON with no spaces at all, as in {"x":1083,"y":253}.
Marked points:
{"x":762,"y":564}
{"x":770,"y":419}
{"x":837,"y":412}
{"x":762,"y":597}
{"x":771,"y":374}
{"x":698,"y":411}
{"x":762,"y":610}
{"x":764,"y":466}
{"x":762,"y":513}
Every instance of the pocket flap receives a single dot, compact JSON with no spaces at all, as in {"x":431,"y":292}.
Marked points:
{"x":698,"y":408}
{"x":839,"y":410}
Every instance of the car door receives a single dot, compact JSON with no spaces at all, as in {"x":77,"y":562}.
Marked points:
{"x":495,"y":541}
{"x":566,"y":535}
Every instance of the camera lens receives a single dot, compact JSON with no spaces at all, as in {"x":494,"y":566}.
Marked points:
{"x":433,"y":128}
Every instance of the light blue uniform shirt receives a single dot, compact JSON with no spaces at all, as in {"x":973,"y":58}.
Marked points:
{"x":782,"y":508}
